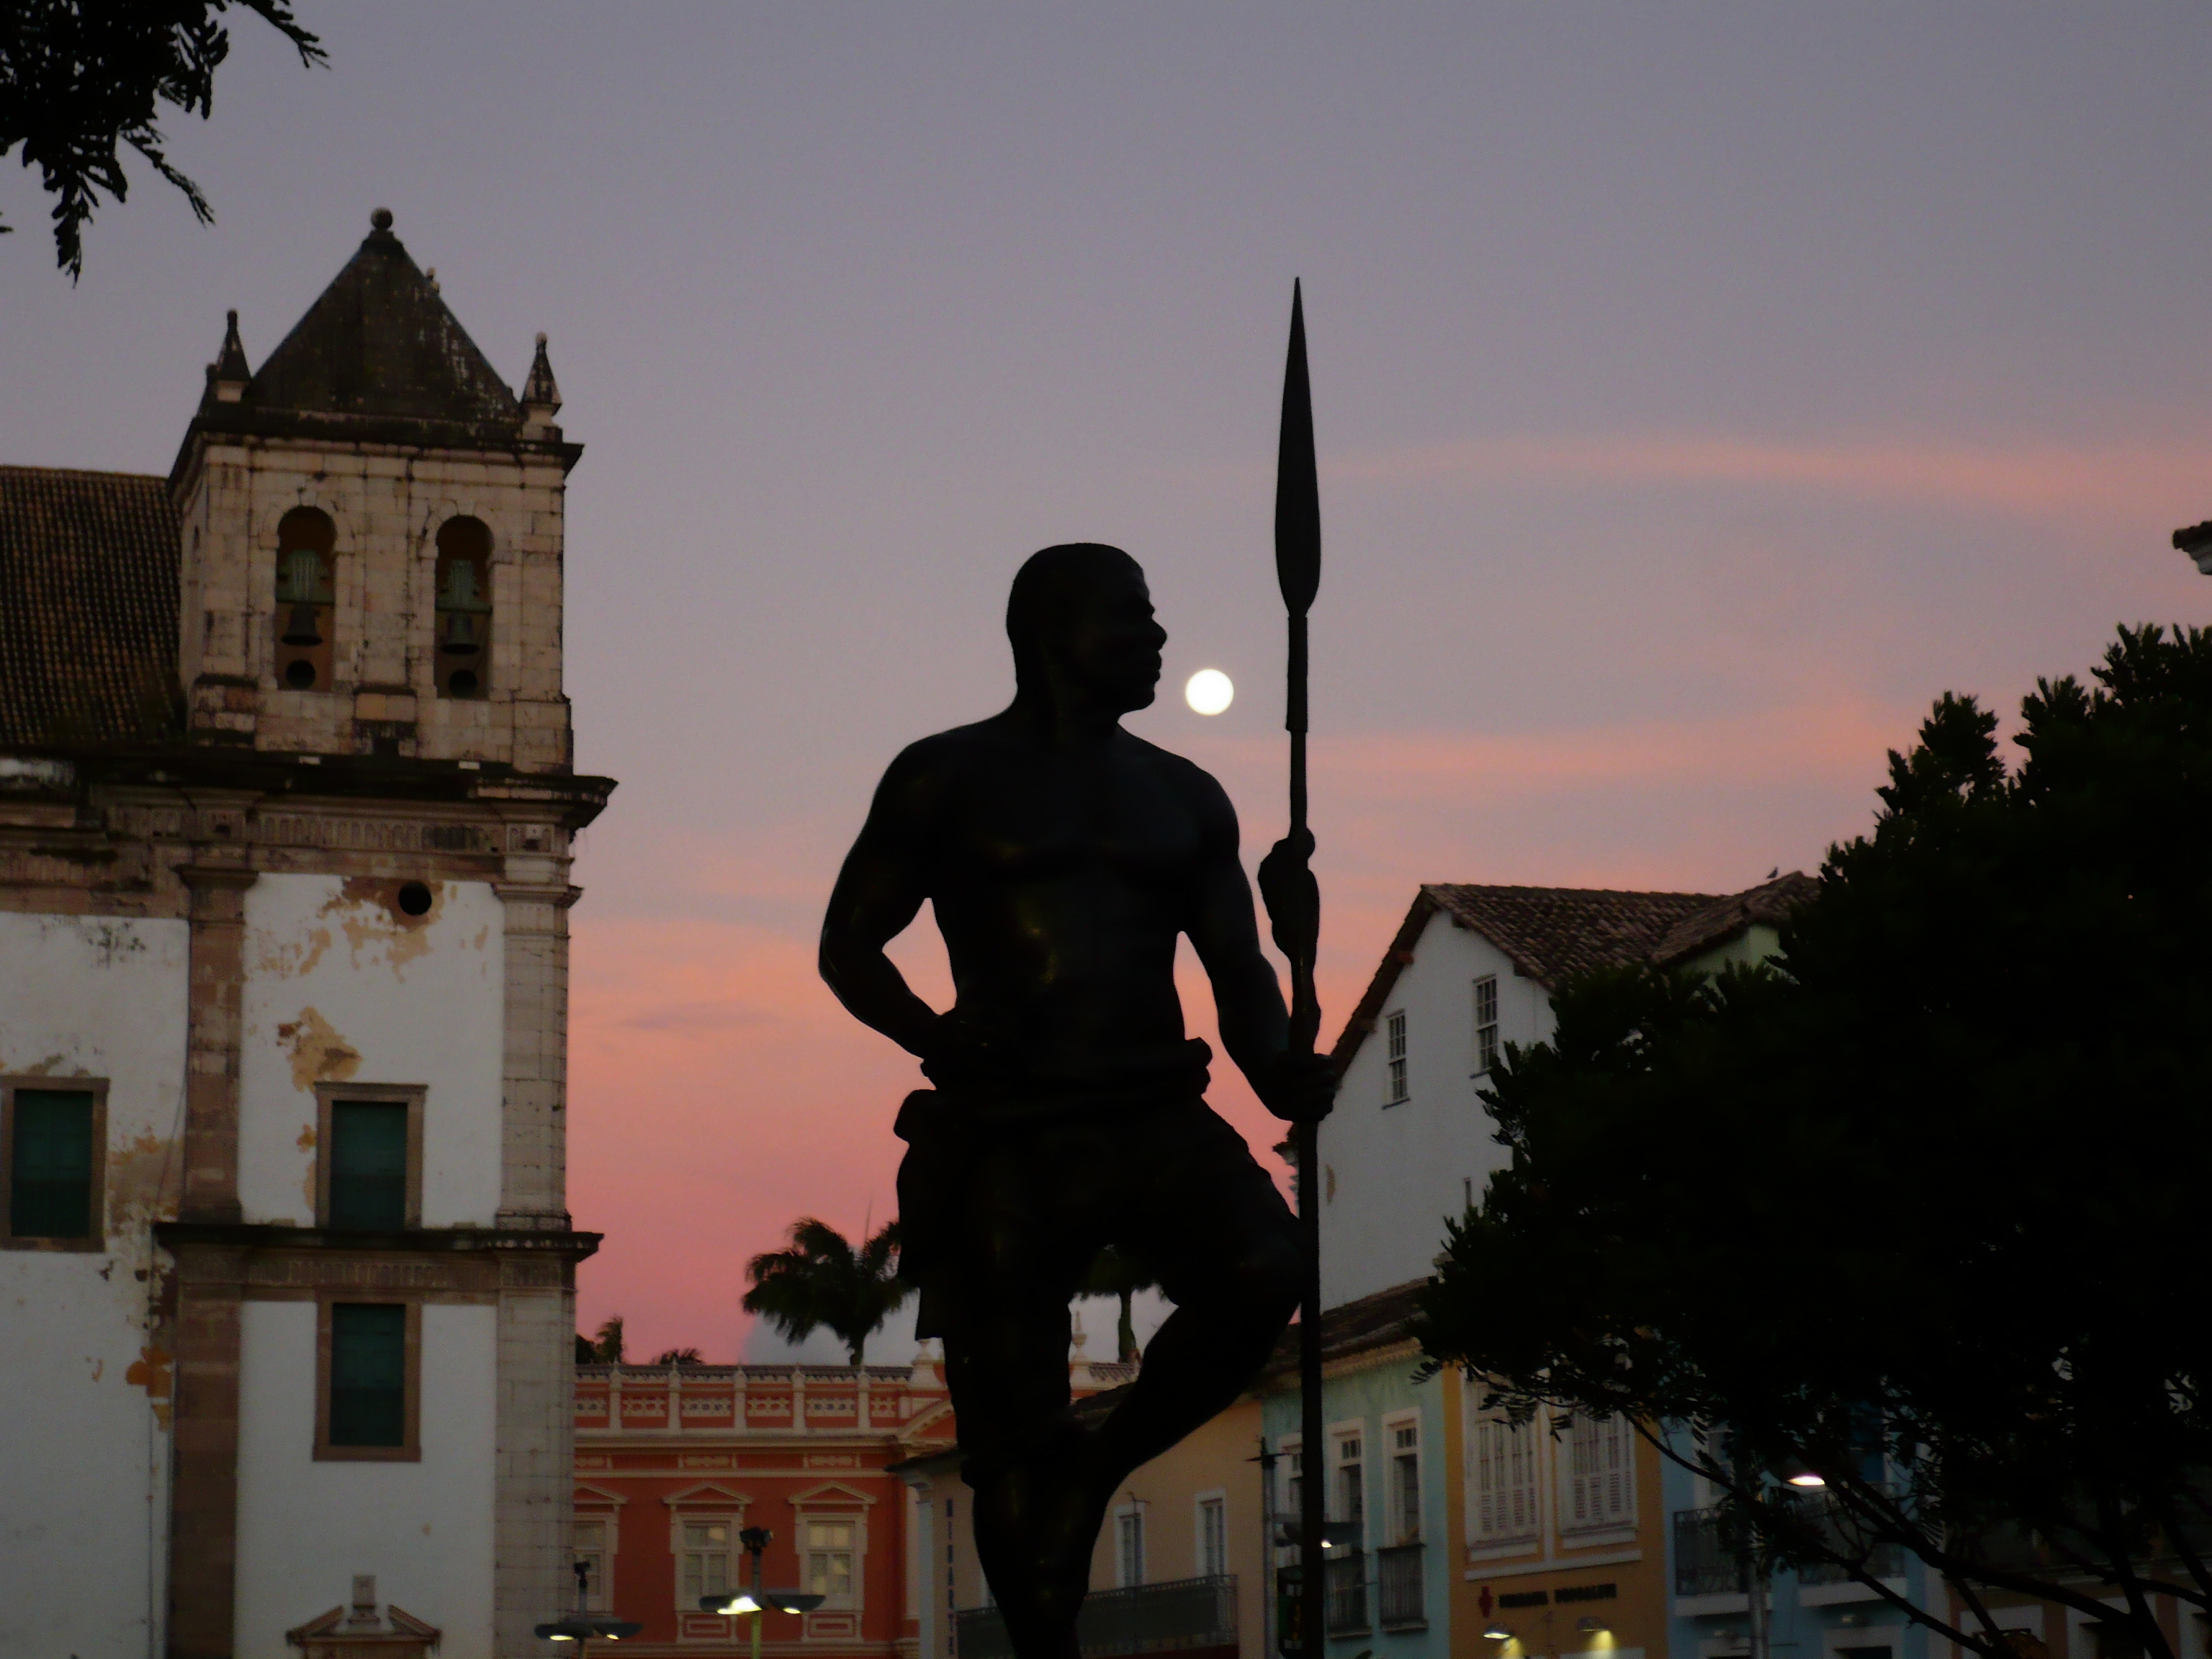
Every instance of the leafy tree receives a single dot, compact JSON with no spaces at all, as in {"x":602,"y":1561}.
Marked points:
{"x":81,"y":79}
{"x":1116,"y":1274}
{"x":605,"y":1348}
{"x":679,"y":1356}
{"x":822,"y":1280}
{"x":1920,"y":1208}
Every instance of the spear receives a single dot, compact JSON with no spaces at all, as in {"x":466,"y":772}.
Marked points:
{"x":1294,"y":911}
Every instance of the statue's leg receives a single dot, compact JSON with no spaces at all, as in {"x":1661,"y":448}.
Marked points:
{"x":1206,"y":1218}
{"x":1005,"y":1349}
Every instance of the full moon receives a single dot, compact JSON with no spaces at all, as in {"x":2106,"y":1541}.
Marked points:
{"x":1208,"y":691}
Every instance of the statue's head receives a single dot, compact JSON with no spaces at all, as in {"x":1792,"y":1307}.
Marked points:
{"x":1081,"y":612}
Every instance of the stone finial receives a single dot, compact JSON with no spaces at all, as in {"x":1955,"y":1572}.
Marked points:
{"x":541,"y":397}
{"x":379,"y":223}
{"x":231,"y":372}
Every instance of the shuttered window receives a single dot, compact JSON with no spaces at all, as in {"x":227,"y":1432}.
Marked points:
{"x":369,"y":1165}
{"x":1597,"y":1473}
{"x":368,"y":1374}
{"x":51,"y":1165}
{"x":1501,"y":1479}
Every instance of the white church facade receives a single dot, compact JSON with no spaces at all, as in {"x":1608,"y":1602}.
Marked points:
{"x":287,"y":804}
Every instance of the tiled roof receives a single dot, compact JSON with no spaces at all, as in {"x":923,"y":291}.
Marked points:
{"x":1552,"y":934}
{"x":1381,"y":1319}
{"x":87,"y":608}
{"x":379,"y":357}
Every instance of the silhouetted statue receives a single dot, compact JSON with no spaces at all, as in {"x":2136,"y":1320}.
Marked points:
{"x":1063,"y":856}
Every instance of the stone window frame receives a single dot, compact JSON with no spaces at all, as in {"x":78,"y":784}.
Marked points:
{"x":410,"y":1449}
{"x":411,"y":1095}
{"x":705,"y":1504}
{"x":94,"y":1241}
{"x":597,"y":1506}
{"x":834,"y":1501}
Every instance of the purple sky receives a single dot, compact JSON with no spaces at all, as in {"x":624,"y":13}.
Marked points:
{"x":1697,"y":395}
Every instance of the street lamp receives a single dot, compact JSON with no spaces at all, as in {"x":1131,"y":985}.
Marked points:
{"x":1497,"y":1631}
{"x":754,"y":1600}
{"x":581,"y":1626}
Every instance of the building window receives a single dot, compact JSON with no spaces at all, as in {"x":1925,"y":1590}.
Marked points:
{"x":1129,"y":1546}
{"x":1293,"y":1481}
{"x":1598,"y":1478}
{"x":1350,"y":1493}
{"x":591,"y":1559}
{"x":307,"y":599}
{"x":704,"y":1563}
{"x":463,"y":606}
{"x":368,"y":1398}
{"x":54,"y":1141}
{"x":1395,"y":1090}
{"x":369,"y":1175}
{"x":1501,"y":1485}
{"x":829,"y":1569}
{"x":1485,"y":1023}
{"x":1213,"y":1536}
{"x":1405,"y":1482}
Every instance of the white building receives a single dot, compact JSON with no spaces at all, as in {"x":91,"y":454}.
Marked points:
{"x":286,"y":804}
{"x":1471,"y":969}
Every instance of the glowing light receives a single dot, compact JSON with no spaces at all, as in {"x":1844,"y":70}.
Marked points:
{"x":1808,"y":1480}
{"x":1209,"y":691}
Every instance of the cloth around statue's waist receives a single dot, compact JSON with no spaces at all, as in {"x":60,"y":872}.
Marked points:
{"x":975,"y":1103}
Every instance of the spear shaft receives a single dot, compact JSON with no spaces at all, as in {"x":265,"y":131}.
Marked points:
{"x":1297,"y":930}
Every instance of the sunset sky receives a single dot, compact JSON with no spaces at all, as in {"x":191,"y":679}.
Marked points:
{"x":1699,"y":392}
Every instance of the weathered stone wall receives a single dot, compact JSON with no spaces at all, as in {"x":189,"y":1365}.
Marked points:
{"x":387,"y":505}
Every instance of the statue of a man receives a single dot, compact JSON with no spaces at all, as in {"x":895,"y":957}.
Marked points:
{"x":1063,"y":857}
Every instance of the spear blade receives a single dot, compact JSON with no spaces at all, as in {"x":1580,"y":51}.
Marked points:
{"x":1297,"y":486}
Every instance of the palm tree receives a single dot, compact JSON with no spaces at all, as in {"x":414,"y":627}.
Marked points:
{"x":1113,"y":1273}
{"x":606,"y":1348}
{"x":822,"y":1280}
{"x":679,"y":1356}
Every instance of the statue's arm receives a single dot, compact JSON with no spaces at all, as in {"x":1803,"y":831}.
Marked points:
{"x":878,"y":892}
{"x":1248,"y":999}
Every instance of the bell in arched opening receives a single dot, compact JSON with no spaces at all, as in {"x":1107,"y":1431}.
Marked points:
{"x":305,"y":598}
{"x":463,"y":657}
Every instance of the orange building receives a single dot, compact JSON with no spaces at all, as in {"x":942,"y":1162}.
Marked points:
{"x":673,"y":1461}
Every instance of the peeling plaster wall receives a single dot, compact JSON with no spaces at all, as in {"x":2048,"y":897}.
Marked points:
{"x":304,"y":1528}
{"x":84,"y":1451}
{"x":343,"y":987}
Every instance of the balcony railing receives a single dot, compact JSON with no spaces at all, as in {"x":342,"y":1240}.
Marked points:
{"x":1708,"y":1555}
{"x":1708,"y":1549}
{"x":1398,"y":1587}
{"x":1347,"y":1592}
{"x":1186,"y":1612}
{"x":1877,"y":1558}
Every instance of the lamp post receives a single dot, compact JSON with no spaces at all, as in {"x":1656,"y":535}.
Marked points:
{"x":581,"y":1626}
{"x":756,"y":1601}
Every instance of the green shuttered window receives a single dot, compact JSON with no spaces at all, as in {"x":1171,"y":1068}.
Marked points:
{"x":369,"y":1165}
{"x":50,"y":1166}
{"x":368,"y":1374}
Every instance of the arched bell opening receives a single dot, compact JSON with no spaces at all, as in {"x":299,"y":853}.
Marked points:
{"x":306,"y":596}
{"x":462,"y":649}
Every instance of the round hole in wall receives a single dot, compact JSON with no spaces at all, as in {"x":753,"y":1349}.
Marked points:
{"x":415,"y":899}
{"x":300,"y":674}
{"x":463,"y":683}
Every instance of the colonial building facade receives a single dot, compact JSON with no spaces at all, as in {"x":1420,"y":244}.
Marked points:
{"x":673,"y":1462}
{"x":286,"y":810}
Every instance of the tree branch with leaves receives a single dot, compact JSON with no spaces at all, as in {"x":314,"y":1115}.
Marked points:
{"x":1917,"y":1206}
{"x":82,"y":81}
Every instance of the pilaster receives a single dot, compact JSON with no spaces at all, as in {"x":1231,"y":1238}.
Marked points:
{"x":217,"y":880}
{"x":533,"y":1163}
